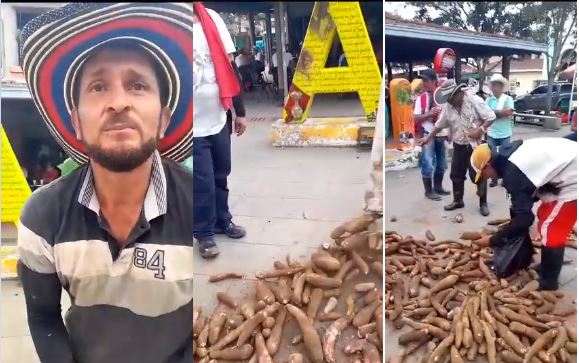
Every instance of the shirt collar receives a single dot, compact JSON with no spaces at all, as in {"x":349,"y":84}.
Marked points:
{"x":155,"y":203}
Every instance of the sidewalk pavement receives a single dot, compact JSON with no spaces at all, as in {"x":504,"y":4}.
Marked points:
{"x":289,"y":200}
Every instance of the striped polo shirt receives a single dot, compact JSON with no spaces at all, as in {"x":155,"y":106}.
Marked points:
{"x":128,"y":305}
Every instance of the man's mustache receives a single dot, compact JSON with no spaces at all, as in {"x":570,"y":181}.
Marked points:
{"x":118,"y":122}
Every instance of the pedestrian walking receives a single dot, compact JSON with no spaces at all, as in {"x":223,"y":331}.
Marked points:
{"x":468,"y":118}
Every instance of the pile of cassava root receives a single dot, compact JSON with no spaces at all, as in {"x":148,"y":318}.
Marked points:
{"x":327,"y":309}
{"x":457,"y":310}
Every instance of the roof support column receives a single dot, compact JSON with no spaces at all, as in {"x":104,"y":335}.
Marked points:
{"x":268,"y":43}
{"x":410,"y":71}
{"x":389,"y":71}
{"x":280,"y":47}
{"x":251,"y":19}
{"x":506,"y":66}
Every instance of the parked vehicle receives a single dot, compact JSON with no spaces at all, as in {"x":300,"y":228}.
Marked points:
{"x":536,"y":100}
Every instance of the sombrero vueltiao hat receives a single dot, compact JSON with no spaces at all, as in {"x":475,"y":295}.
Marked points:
{"x":55,"y":45}
{"x":446,"y":90}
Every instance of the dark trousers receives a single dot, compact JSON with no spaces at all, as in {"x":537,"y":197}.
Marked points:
{"x":459,"y":167}
{"x":211,"y":167}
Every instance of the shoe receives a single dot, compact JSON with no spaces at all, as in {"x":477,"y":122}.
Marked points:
{"x":484,"y":209}
{"x":208,"y":248}
{"x":438,"y":189}
{"x":457,"y":204}
{"x":232,"y":231}
{"x":482,"y":193}
{"x":493,"y":183}
{"x":428,"y":193}
{"x":550,"y":268}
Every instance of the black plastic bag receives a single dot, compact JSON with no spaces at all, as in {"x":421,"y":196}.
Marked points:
{"x":512,"y":255}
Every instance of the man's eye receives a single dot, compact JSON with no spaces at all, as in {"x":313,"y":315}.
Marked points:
{"x":137,"y":86}
{"x":97,"y":87}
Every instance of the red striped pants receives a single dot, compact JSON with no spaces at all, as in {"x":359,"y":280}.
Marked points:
{"x":556,"y":220}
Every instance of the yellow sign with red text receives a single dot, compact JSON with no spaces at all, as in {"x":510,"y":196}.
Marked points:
{"x":15,"y":189}
{"x":361,"y":75}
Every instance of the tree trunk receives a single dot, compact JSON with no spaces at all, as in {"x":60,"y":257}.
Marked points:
{"x":481,"y":73}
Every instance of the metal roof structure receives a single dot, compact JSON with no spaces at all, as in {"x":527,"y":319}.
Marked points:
{"x":414,"y":41}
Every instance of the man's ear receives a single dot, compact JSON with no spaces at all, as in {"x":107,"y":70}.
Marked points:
{"x":76,"y":123}
{"x":165,"y":119}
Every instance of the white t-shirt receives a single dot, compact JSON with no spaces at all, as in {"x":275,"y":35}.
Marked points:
{"x":209,"y":117}
{"x":418,"y":107}
{"x":287,"y":57}
{"x":549,"y":160}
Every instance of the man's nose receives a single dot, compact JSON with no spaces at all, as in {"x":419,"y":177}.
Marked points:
{"x":118,"y":99}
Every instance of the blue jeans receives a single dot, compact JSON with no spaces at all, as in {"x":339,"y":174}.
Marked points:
{"x":433,"y":157}
{"x":211,"y":167}
{"x":495,"y":143}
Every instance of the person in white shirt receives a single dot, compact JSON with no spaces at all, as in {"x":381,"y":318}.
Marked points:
{"x":287,"y":58}
{"x":211,"y":133}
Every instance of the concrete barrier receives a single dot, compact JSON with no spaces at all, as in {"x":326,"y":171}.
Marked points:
{"x":552,"y":123}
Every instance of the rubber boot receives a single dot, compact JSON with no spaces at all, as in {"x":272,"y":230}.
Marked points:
{"x":482,"y":193}
{"x":438,"y":189}
{"x":428,"y":193}
{"x":551,"y":264}
{"x":458,"y":193}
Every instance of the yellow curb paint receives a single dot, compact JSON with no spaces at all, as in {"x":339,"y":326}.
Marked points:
{"x":9,"y":260}
{"x":339,"y":131}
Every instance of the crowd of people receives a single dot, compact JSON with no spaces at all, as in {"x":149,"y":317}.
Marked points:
{"x":539,"y":169}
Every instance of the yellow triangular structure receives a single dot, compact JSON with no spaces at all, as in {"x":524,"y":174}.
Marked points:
{"x":15,"y":188}
{"x":362,"y":75}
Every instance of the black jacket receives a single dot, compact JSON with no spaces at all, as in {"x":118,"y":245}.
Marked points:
{"x":521,"y":191}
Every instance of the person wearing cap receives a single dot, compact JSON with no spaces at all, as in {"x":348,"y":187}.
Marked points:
{"x":503,"y":105}
{"x":116,"y":233}
{"x":215,"y":87}
{"x":542,"y":169}
{"x":433,"y":156}
{"x":468,"y":118}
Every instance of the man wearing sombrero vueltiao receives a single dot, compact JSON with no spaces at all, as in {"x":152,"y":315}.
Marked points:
{"x":113,"y":83}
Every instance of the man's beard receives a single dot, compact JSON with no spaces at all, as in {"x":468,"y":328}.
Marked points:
{"x":122,"y":161}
